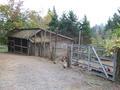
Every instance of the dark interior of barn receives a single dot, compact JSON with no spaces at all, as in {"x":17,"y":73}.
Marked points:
{"x":18,"y":45}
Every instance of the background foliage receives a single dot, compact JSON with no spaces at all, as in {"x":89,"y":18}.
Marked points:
{"x":13,"y":17}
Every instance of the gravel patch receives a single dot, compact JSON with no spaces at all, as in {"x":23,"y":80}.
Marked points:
{"x":18,"y":72}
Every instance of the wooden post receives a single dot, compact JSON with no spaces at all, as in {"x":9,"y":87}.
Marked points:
{"x":79,"y":37}
{"x":56,"y":38}
{"x":50,"y":48}
{"x":41,"y":44}
{"x":68,"y":57}
{"x":44,"y":46}
{"x":89,"y":57}
{"x":35,"y":44}
{"x":117,"y":71}
{"x":71,"y":53}
{"x":21,"y":49}
{"x":114,"y":65}
{"x":14,"y":46}
{"x":28,"y":49}
{"x":38,"y":49}
{"x":52,"y":54}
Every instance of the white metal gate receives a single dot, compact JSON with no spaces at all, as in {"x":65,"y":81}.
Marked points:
{"x":93,"y":59}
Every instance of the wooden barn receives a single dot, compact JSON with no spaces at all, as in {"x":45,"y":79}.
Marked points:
{"x":36,"y":42}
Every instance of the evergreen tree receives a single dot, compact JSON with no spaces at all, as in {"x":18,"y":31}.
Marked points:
{"x":69,"y":25}
{"x":114,"y":22}
{"x":86,"y":31}
{"x":54,"y":23}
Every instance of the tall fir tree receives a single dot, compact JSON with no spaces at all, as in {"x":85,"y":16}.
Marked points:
{"x":86,"y":31}
{"x":54,"y":23}
{"x":69,"y":25}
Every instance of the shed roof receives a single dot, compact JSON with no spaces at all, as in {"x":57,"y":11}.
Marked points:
{"x":24,"y":33}
{"x":27,"y":33}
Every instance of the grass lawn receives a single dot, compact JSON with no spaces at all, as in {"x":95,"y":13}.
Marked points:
{"x":3,"y":48}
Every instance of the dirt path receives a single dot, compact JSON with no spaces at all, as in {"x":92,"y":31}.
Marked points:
{"x":19,"y":72}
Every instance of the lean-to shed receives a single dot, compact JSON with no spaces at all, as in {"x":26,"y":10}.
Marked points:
{"x":35,"y":41}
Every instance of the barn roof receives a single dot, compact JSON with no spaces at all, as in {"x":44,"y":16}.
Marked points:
{"x":24,"y":33}
{"x":27,"y":33}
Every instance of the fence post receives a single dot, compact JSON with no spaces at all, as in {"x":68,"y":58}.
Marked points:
{"x":89,"y":57}
{"x":69,"y":56}
{"x":117,"y":68}
{"x":114,"y":65}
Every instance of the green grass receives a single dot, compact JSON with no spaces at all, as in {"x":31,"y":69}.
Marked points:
{"x":3,"y":48}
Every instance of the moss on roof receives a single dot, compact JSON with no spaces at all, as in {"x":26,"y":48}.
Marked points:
{"x":24,"y":33}
{"x":27,"y":33}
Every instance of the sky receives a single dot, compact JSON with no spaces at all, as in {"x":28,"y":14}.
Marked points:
{"x":97,"y":11}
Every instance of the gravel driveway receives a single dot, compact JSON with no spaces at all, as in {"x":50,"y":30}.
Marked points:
{"x":19,"y":72}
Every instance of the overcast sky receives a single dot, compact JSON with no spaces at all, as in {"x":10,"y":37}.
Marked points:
{"x":97,"y":11}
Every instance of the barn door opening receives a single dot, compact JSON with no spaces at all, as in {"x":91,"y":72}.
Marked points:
{"x":11,"y":46}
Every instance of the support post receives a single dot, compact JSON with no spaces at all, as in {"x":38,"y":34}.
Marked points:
{"x":89,"y":57}
{"x":114,"y":65}
{"x":44,"y":44}
{"x":117,"y":71}
{"x":35,"y":44}
{"x":79,"y":37}
{"x":71,"y":53}
{"x":41,"y":44}
{"x":50,"y":46}
{"x":28,"y":49}
{"x":21,"y":49}
{"x":69,"y":56}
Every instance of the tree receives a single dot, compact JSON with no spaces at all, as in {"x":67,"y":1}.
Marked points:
{"x":113,"y":25}
{"x":69,"y":25}
{"x":54,"y":23}
{"x":113,"y":22}
{"x":86,"y":31}
{"x":33,"y":19}
{"x":10,"y":17}
{"x":47,"y":19}
{"x":11,"y":14}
